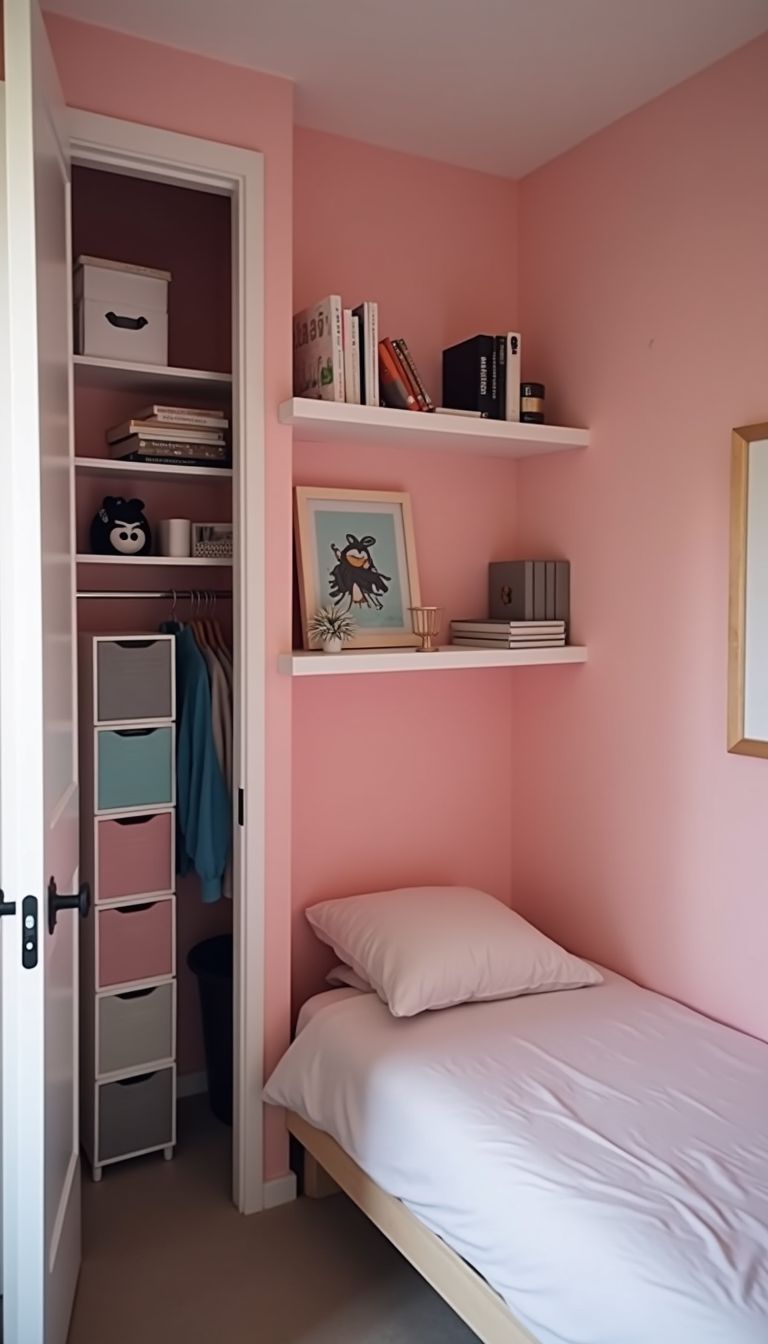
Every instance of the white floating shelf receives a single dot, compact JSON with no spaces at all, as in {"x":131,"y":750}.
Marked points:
{"x":152,"y":560}
{"x":159,"y":378}
{"x":380,"y":427}
{"x":108,"y":466}
{"x":409,"y":660}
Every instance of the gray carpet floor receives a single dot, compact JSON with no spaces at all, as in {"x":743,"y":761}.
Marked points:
{"x":168,"y":1260}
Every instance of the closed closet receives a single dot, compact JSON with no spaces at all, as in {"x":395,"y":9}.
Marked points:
{"x":157,"y":564}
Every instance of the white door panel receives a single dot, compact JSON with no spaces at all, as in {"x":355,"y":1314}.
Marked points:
{"x":38,"y":741}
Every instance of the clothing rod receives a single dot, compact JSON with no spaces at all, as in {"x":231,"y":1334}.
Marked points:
{"x":181,"y":594}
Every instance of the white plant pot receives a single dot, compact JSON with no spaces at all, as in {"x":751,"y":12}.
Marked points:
{"x":334,"y":645}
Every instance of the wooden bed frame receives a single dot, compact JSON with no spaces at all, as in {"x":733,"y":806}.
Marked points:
{"x":328,"y":1168}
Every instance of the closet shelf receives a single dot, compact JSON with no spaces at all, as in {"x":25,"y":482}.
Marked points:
{"x":380,"y":427}
{"x":107,"y":466}
{"x":409,"y":660}
{"x":176,"y":561}
{"x":149,"y":378}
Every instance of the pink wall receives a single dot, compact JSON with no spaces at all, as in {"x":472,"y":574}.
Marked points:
{"x":405,"y":779}
{"x":123,"y":77}
{"x":637,"y":839}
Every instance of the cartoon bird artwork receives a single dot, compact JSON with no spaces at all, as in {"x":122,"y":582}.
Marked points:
{"x":355,"y":577}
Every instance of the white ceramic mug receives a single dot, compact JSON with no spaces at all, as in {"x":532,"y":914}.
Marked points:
{"x":175,"y":536}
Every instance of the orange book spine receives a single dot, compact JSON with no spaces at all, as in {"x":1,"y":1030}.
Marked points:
{"x":395,"y":391}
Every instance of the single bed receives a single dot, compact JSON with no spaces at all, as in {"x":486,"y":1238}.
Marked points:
{"x":582,"y":1167}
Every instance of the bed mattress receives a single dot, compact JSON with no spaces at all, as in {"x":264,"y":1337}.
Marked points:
{"x":599,"y":1155}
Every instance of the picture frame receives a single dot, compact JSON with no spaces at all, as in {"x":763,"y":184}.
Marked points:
{"x":211,"y":541}
{"x":356,"y":550}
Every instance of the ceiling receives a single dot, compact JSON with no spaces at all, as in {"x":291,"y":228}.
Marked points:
{"x":499,"y":85}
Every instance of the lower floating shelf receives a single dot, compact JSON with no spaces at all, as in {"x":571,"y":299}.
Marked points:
{"x":410,"y":660}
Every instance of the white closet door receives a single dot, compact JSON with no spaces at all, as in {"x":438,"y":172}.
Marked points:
{"x":38,"y":747}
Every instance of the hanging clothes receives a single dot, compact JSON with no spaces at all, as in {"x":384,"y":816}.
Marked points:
{"x":210,"y":643}
{"x":203,"y":804}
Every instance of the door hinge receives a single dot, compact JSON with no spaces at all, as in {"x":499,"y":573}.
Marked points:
{"x":241,"y":807}
{"x":29,"y":932}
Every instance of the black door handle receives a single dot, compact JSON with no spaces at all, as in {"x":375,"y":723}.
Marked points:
{"x":6,"y":907}
{"x":81,"y":901}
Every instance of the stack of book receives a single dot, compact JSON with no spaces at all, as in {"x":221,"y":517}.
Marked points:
{"x":338,"y":356}
{"x":481,"y":376}
{"x":491,"y":634}
{"x":172,"y":435}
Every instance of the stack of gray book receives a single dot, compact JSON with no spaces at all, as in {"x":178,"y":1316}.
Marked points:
{"x":503,"y":634}
{"x":529,"y":590}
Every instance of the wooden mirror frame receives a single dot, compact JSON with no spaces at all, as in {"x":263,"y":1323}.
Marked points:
{"x":737,"y":632}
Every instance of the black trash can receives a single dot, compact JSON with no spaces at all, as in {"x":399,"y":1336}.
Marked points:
{"x":211,"y":962}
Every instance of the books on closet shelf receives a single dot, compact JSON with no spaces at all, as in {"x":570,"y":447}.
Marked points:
{"x":168,"y":434}
{"x":505,"y":634}
{"x":482,"y":374}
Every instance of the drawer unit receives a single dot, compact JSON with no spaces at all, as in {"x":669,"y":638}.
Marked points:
{"x":133,"y":679}
{"x":135,"y":1115}
{"x":135,"y":942}
{"x":136,"y":1027}
{"x":134,"y":855}
{"x":134,"y":768}
{"x":127,"y":853}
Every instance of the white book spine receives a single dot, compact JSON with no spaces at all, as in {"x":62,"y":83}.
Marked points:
{"x":353,"y":387}
{"x":372,"y":356}
{"x":337,"y":337}
{"x":346,"y":322}
{"x":514,"y":378}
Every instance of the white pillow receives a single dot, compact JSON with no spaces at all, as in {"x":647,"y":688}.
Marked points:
{"x":344,"y":975}
{"x":432,"y":947}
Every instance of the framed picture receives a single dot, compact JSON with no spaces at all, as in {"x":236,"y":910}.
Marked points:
{"x":212,"y":541}
{"x":355,"y":550}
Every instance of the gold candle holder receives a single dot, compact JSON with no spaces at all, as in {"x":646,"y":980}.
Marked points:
{"x":426,"y":624}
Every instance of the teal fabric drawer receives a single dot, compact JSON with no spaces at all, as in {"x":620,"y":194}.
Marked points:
{"x":134,"y":767}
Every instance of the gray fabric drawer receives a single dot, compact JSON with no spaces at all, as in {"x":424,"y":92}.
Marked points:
{"x":135,"y":1114}
{"x":134,"y":679}
{"x":135,"y":1028}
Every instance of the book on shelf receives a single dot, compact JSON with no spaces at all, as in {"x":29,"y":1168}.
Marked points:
{"x":504,"y":627}
{"x":477,"y":642}
{"x":394,"y":383}
{"x":179,"y":434}
{"x":455,"y":410}
{"x":351,"y":335}
{"x":408,"y":365}
{"x":181,"y":416}
{"x":318,"y":351}
{"x":138,"y":448}
{"x":513,"y":375}
{"x":482,"y":374}
{"x":367,"y":315}
{"x":159,"y":460}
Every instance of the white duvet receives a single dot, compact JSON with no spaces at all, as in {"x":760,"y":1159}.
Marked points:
{"x":600,"y":1155}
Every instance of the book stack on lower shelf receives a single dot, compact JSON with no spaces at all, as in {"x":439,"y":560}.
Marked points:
{"x":501,"y":634}
{"x":168,"y":435}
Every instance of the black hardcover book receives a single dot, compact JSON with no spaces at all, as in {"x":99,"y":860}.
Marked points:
{"x":468,"y":375}
{"x":501,"y":378}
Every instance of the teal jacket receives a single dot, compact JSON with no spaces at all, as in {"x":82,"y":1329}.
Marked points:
{"x":203,"y":807}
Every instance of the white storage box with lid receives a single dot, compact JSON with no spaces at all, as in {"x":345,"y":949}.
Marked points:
{"x":121,"y":311}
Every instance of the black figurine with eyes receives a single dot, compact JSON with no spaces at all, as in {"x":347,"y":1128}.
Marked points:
{"x":120,"y":528}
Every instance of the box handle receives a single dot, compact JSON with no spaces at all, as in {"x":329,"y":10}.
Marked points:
{"x":135,"y":821}
{"x":137,"y":993}
{"x":135,"y":643}
{"x":139,"y":1078}
{"x":133,"y":909}
{"x":127,"y":323}
{"x":134,"y":732}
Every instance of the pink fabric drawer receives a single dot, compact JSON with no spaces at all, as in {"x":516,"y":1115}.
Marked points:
{"x":135,"y":856}
{"x":135,"y":942}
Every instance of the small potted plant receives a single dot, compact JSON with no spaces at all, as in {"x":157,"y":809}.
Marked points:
{"x":331,"y":628}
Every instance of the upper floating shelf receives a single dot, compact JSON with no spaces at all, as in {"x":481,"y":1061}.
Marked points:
{"x":150,"y":378}
{"x":380,"y":427}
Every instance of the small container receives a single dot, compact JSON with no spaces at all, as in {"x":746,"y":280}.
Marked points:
{"x":121,"y":311}
{"x":175,"y":536}
{"x":532,"y":403}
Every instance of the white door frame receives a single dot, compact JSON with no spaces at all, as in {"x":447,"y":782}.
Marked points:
{"x":185,"y":161}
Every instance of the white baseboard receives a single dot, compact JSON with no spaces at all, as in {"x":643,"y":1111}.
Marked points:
{"x":280,"y":1191}
{"x":191,"y":1085}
